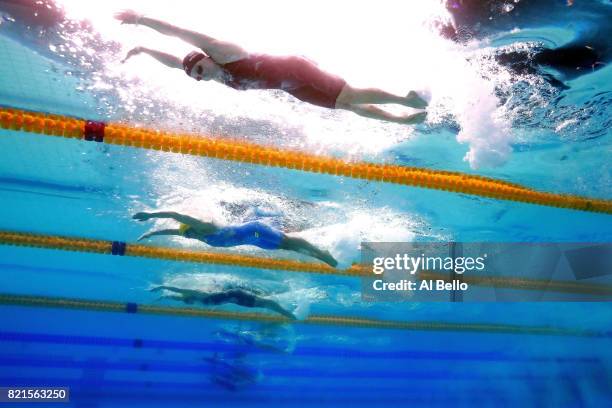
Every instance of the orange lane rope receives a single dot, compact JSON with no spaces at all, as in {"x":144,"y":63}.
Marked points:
{"x":218,"y":258}
{"x":118,"y":134}
{"x":328,"y":320}
{"x":173,"y":254}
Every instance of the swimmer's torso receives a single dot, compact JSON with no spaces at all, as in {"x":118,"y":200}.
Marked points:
{"x":298,"y":76}
{"x":260,"y":71}
{"x":252,"y":233}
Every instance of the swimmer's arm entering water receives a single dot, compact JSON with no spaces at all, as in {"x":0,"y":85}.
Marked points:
{"x":221,"y":52}
{"x":165,"y":58}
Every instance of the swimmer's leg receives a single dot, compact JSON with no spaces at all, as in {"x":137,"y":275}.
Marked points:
{"x":304,"y":247}
{"x":272,"y":305}
{"x":373,"y":112}
{"x":360,"y":96}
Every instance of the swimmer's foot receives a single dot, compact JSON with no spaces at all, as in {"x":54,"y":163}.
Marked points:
{"x":288,"y":315}
{"x":413,"y":100}
{"x":327,"y":257}
{"x":415,"y":118}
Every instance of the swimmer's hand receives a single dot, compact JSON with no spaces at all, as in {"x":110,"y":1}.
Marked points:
{"x":128,"y":17}
{"x":134,"y":51}
{"x":415,"y":118}
{"x":142,"y":216}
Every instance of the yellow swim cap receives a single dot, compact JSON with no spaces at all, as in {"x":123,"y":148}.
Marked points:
{"x":183,"y":228}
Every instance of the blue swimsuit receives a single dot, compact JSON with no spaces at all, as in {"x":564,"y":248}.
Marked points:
{"x":252,"y":233}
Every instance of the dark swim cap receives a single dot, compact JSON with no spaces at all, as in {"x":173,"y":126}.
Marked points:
{"x":191,"y":59}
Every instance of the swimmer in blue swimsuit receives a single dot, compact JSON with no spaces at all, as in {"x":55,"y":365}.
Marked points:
{"x":252,"y":233}
{"x":239,"y":297}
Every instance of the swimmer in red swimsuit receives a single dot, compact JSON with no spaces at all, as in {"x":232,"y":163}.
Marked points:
{"x":231,"y":65}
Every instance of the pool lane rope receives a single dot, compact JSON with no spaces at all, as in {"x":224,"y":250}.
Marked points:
{"x":327,"y":320}
{"x":196,"y":145}
{"x":119,"y":248}
{"x":172,"y":254}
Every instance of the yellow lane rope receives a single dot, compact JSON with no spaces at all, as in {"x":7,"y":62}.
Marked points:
{"x":218,"y":258}
{"x":173,"y":254}
{"x":524,"y":284}
{"x":56,"y":125}
{"x":329,"y":320}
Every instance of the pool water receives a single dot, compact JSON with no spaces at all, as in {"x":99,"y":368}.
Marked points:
{"x":560,"y":142}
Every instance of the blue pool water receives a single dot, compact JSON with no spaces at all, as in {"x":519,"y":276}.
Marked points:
{"x":560,"y":142}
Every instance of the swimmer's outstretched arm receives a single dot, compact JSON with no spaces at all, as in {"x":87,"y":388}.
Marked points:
{"x":184,"y":219}
{"x":160,"y":232}
{"x":180,"y":298}
{"x":187,"y":295}
{"x":169,"y":288}
{"x":168,"y":60}
{"x":220,"y":51}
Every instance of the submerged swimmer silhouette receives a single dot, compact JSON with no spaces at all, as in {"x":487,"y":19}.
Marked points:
{"x":252,"y":233}
{"x":589,"y":50}
{"x":231,"y":65}
{"x":239,"y":297}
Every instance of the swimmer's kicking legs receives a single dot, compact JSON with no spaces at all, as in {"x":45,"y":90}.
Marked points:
{"x":239,"y":297}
